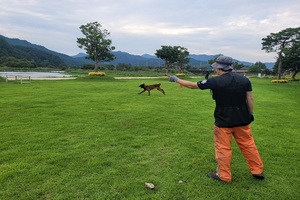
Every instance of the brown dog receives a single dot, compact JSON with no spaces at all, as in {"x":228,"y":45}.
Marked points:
{"x":151,"y":87}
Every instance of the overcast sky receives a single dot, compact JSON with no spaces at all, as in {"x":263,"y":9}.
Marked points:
{"x":230,"y":27}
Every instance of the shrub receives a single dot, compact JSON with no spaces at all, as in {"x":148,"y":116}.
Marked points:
{"x":97,"y":74}
{"x":180,"y":75}
{"x":279,"y":81}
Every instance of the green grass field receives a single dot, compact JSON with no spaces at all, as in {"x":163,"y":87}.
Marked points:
{"x":99,"y":139}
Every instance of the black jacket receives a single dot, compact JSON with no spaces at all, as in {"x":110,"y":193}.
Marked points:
{"x":229,"y":91}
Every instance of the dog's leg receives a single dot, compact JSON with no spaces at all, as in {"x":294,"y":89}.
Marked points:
{"x":160,"y":89}
{"x":142,"y":92}
{"x":148,"y":92}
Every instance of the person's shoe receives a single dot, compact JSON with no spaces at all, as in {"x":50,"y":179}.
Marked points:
{"x":214,"y":176}
{"x":258,"y":176}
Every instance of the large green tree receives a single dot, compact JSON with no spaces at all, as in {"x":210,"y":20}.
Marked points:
{"x":174,"y":56}
{"x":95,"y":43}
{"x":291,"y":59}
{"x":279,"y":42}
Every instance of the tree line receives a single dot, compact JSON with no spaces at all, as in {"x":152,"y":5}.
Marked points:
{"x":98,"y":47}
{"x":286,"y":44}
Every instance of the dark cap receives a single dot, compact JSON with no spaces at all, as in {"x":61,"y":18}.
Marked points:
{"x":223,"y":62}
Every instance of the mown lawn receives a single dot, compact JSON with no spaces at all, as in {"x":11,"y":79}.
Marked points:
{"x":99,"y":139}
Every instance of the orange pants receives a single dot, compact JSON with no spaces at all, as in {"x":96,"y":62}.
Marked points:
{"x":223,"y":151}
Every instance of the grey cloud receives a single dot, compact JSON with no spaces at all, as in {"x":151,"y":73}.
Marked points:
{"x":231,"y":27}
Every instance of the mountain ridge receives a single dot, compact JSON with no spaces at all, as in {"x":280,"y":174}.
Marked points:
{"x":121,"y":57}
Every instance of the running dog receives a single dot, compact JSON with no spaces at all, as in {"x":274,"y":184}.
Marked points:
{"x":151,"y":87}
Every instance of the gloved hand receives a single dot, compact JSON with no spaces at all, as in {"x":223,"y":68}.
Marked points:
{"x":173,"y":78}
{"x":251,"y":116}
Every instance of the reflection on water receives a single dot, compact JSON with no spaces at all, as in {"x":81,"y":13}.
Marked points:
{"x":35,"y":74}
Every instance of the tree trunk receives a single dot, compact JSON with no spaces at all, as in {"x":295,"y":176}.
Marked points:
{"x":294,"y":75}
{"x":166,"y":70}
{"x":96,"y":67}
{"x":279,"y":66}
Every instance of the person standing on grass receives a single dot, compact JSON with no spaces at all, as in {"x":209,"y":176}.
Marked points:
{"x":233,"y":115}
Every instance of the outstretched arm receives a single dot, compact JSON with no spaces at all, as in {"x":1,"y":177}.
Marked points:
{"x":188,"y":84}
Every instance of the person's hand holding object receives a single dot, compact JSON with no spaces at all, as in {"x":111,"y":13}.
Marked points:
{"x":173,"y":78}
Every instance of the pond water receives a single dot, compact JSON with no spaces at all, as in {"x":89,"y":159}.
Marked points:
{"x":56,"y":74}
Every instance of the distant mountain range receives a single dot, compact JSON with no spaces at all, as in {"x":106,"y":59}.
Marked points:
{"x":17,"y":46}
